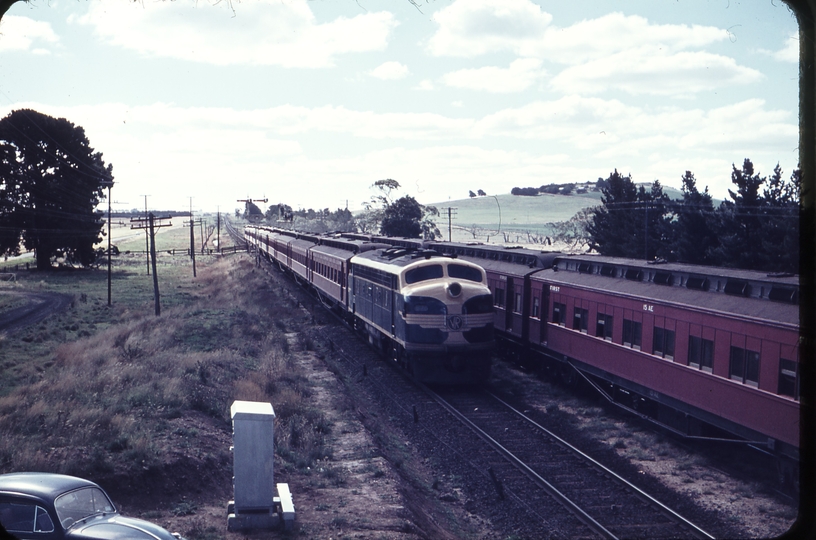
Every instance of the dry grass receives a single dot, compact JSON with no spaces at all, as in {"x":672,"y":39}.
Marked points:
{"x":105,"y":391}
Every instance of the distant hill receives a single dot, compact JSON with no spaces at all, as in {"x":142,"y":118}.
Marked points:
{"x":514,"y":212}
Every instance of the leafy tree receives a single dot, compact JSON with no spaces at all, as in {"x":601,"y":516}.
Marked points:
{"x":471,"y":194}
{"x":631,"y":222}
{"x":51,"y":182}
{"x":739,"y":221}
{"x":693,"y":237}
{"x":402,"y":218}
{"x":481,"y":193}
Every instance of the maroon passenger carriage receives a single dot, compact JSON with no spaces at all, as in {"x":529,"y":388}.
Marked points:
{"x":706,"y":352}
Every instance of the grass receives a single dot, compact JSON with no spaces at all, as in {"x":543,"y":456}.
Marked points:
{"x":100,"y":390}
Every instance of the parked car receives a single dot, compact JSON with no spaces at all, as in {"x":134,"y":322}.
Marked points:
{"x":54,"y":506}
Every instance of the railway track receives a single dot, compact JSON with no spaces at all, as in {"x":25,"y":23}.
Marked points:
{"x":610,"y":506}
{"x":561,"y":491}
{"x":531,"y":482}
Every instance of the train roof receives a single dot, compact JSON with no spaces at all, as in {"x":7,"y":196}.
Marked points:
{"x":398,"y":257}
{"x":738,"y":306}
{"x":485,"y":253}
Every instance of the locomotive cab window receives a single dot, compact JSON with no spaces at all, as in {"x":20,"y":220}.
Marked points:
{"x":461,"y":271}
{"x":424,"y":273}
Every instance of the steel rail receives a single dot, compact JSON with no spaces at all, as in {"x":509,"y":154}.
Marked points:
{"x":576,"y":510}
{"x":639,"y":492}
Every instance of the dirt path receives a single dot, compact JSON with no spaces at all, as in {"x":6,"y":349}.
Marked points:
{"x":37,"y":307}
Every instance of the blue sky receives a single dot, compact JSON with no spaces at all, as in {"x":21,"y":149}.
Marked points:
{"x":310,"y":102}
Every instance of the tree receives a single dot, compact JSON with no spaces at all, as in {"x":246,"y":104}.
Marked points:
{"x":739,"y":221}
{"x":693,"y":237}
{"x":471,"y":194}
{"x":402,"y":218}
{"x":631,"y":222}
{"x":481,"y":193}
{"x":51,"y":182}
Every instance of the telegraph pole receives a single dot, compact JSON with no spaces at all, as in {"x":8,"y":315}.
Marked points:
{"x":109,"y":186}
{"x":192,"y":236}
{"x":451,"y":216}
{"x":150,"y":225}
{"x":147,"y":240}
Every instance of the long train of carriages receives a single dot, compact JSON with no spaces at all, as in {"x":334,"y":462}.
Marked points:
{"x":431,"y":314}
{"x":706,"y":352}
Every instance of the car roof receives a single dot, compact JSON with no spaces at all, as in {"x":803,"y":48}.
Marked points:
{"x":45,"y":485}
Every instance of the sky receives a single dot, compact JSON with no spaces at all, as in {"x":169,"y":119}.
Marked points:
{"x":204,"y":103}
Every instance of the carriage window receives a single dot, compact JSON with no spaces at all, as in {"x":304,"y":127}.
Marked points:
{"x":701,"y":353}
{"x":517,"y":303}
{"x":559,"y":313}
{"x":579,"y":320}
{"x":536,"y":308}
{"x":789,"y":378}
{"x":744,"y":366}
{"x":465,"y":272}
{"x":632,"y":333}
{"x":663,"y":343}
{"x":604,"y":327}
{"x":424,"y":273}
{"x":498,"y":297}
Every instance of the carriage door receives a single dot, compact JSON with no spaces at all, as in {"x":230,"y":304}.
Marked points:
{"x":509,"y":298}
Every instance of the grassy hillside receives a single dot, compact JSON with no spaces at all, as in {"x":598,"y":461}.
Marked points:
{"x":514,"y":212}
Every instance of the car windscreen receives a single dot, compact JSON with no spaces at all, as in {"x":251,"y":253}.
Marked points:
{"x":81,"y":503}
{"x":431,"y":271}
{"x":462,"y":271}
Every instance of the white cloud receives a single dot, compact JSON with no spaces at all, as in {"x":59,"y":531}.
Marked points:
{"x":474,"y":27}
{"x":615,"y":32}
{"x":21,"y":34}
{"x":218,"y":154}
{"x":390,"y":71}
{"x":521,"y":74}
{"x":256,"y":33}
{"x":645,"y":71}
{"x":790,"y":53}
{"x":424,"y":85}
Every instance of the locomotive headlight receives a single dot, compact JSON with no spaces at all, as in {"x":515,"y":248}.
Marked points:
{"x":454,"y":289}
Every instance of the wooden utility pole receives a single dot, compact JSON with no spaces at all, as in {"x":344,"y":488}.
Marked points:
{"x":109,"y":186}
{"x":451,"y":216}
{"x":192,"y":236}
{"x":150,"y":226}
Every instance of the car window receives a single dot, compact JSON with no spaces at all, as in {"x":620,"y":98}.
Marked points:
{"x":81,"y":503}
{"x":25,"y":517}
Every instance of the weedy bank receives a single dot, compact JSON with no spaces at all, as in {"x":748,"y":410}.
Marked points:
{"x":140,"y":403}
